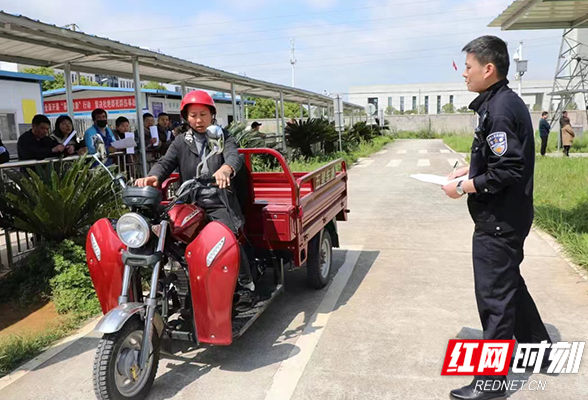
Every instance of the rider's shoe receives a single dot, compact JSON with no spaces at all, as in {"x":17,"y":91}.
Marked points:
{"x":246,"y":301}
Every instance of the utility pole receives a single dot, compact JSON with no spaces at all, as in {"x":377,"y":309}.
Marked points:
{"x":521,"y":67}
{"x":292,"y":58}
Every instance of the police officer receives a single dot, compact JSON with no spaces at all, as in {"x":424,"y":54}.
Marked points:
{"x":500,"y":201}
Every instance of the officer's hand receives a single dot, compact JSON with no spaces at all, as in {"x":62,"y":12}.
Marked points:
{"x":450,"y":190}
{"x":149,"y":181}
{"x":223,"y":176}
{"x":459,"y":172}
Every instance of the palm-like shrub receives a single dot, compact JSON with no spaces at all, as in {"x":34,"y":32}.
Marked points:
{"x":302,"y":135}
{"x":246,"y":139}
{"x":57,"y":202}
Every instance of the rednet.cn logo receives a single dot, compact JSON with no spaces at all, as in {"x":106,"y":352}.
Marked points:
{"x":492,"y":357}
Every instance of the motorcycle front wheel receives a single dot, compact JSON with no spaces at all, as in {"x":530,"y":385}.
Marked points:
{"x":116,"y":371}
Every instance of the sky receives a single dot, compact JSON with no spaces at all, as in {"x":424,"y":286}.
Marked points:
{"x":339,"y":43}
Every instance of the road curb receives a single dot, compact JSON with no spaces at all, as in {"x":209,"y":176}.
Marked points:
{"x":558,"y":248}
{"x":51,"y":352}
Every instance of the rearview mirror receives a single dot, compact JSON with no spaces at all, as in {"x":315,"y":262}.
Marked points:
{"x":215,"y":136}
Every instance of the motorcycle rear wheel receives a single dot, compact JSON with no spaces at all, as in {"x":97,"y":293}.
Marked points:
{"x":116,"y":355}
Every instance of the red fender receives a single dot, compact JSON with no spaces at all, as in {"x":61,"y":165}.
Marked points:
{"x":213,"y":286}
{"x":104,"y":258}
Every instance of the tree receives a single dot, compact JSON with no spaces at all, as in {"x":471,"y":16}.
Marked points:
{"x":266,"y":108}
{"x":463,"y":109}
{"x":572,"y":106}
{"x":154,"y":85}
{"x":59,"y":81}
{"x":448,"y":108}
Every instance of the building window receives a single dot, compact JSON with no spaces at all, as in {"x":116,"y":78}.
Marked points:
{"x":402,"y":104}
{"x":414,"y":99}
{"x":8,"y":126}
{"x":374,"y":101}
{"x":438,"y":104}
{"x":426,"y":104}
{"x":389,"y":101}
{"x":451,"y":99}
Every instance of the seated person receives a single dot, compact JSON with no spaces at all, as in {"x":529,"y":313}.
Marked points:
{"x":63,"y":128}
{"x":35,"y":144}
{"x":99,"y":137}
{"x":4,"y":154}
{"x":185,"y":153}
{"x":122,"y":127}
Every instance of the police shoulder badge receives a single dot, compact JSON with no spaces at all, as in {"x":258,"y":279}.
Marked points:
{"x":497,"y":142}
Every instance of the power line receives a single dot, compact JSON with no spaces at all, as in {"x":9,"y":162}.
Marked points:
{"x":322,"y":33}
{"x":249,"y":53}
{"x":274,"y":17}
{"x":371,"y":62}
{"x":240,"y":33}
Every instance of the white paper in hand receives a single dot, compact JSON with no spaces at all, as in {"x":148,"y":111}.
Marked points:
{"x":124,"y":143}
{"x":437,"y":179}
{"x":154,"y":134}
{"x":130,"y":135}
{"x":69,"y":138}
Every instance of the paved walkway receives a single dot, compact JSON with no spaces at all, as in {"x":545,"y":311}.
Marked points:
{"x":380,"y":331}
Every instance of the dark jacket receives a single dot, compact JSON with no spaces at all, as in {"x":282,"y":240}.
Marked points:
{"x":502,"y":163}
{"x":31,"y":148}
{"x":5,"y":155}
{"x":183,"y":154}
{"x":544,"y":128}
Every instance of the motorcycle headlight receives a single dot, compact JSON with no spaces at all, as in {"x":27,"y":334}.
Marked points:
{"x":133,"y":230}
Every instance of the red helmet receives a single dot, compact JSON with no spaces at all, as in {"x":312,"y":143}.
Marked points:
{"x":197,"y":97}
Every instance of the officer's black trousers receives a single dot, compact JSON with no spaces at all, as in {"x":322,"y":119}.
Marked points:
{"x":505,"y":306}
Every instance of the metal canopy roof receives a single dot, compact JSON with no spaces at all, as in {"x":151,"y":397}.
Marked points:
{"x":543,"y":14}
{"x":26,"y":41}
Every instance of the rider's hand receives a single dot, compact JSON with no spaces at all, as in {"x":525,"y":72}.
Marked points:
{"x":58,"y":149}
{"x":149,"y":181}
{"x":223,"y":176}
{"x":459,"y":172}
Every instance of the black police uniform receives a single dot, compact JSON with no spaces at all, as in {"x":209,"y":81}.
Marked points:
{"x":502,"y":164}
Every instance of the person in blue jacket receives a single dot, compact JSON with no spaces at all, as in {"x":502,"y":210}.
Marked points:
{"x":99,"y":137}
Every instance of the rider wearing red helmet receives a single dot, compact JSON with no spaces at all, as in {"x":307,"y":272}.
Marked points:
{"x":185,"y":153}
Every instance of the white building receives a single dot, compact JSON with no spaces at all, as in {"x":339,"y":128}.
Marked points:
{"x":20,"y":100}
{"x":431,"y":97}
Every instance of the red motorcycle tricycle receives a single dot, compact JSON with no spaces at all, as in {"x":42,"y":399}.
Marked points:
{"x":163,"y":274}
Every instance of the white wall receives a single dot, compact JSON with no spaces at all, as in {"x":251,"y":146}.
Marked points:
{"x":13,"y":92}
{"x":533,"y":91}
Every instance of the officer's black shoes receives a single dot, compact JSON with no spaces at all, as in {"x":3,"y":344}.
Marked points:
{"x":477,"y":390}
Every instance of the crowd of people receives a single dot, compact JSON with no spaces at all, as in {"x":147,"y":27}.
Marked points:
{"x":40,"y":142}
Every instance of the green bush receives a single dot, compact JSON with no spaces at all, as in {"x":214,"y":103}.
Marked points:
{"x":57,"y":202}
{"x":302,"y":135}
{"x":56,"y":271}
{"x":71,"y":286}
{"x":28,"y":281}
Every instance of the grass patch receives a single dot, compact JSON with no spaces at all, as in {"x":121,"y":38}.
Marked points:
{"x":561,"y":203}
{"x":16,"y":349}
{"x":53,"y":270}
{"x":364,"y":149}
{"x":461,"y":144}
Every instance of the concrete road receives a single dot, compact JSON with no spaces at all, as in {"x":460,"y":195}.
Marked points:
{"x":403,"y":287}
